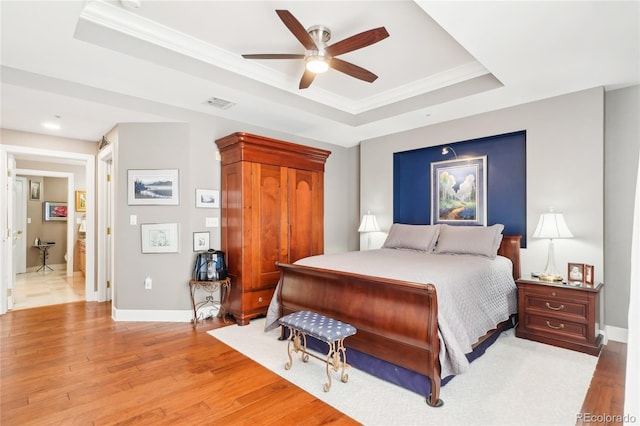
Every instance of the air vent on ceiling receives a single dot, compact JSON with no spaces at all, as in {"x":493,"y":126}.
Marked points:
{"x":220,"y":103}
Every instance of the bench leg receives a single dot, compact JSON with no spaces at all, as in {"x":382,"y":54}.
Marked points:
{"x":299,"y":341}
{"x":336,"y":359}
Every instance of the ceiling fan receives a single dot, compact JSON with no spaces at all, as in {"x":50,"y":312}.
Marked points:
{"x":318,"y":56}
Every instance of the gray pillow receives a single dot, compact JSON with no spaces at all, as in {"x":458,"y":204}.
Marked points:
{"x":476,"y":240}
{"x":412,"y":237}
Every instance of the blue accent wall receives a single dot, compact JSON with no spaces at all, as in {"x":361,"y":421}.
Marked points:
{"x":506,"y":180}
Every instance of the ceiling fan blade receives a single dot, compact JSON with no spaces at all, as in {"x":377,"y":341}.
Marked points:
{"x":297,"y":29}
{"x":352,"y":70}
{"x":307,"y":79}
{"x":273,"y":56}
{"x":357,"y":41}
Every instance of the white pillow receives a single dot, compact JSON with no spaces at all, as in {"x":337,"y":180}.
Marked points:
{"x":412,"y":237}
{"x":476,"y":240}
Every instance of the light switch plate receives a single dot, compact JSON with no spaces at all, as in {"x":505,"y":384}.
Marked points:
{"x":133,"y":219}
{"x":211,"y":222}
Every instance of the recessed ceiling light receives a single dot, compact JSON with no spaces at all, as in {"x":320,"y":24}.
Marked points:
{"x":50,"y":125}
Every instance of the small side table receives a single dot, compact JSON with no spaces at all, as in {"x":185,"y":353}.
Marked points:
{"x":210,"y":287}
{"x":44,"y":253}
{"x":559,"y":314}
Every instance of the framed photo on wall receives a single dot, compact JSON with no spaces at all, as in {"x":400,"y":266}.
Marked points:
{"x":159,"y":237}
{"x":153,"y":187}
{"x":208,"y":198}
{"x":55,"y":212}
{"x":81,"y":201}
{"x":459,"y":191}
{"x":201,"y":241}
{"x":35,"y":190}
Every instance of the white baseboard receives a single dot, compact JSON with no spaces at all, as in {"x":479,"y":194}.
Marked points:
{"x":616,"y":334}
{"x":152,"y":315}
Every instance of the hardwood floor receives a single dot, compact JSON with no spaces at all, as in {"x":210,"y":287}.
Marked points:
{"x":71,"y":364}
{"x":47,"y":288}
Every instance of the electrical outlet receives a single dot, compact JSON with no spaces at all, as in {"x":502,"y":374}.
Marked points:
{"x":147,"y":283}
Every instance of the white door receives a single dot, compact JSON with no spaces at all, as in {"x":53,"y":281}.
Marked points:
{"x":20,"y":191}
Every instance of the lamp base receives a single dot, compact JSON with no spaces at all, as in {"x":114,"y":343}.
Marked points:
{"x":549,"y":277}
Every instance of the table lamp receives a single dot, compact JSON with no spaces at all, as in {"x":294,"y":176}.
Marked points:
{"x":552,"y":226}
{"x":369,"y":224}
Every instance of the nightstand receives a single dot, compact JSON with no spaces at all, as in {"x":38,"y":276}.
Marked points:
{"x":559,"y":314}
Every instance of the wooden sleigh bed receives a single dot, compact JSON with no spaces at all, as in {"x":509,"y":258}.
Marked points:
{"x":397,"y":321}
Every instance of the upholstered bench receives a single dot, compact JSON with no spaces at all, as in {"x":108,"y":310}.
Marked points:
{"x":328,"y":330}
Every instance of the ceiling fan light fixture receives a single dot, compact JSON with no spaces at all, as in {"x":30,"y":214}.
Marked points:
{"x":317,"y":64}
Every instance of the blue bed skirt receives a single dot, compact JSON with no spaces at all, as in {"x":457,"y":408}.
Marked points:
{"x":401,"y":376}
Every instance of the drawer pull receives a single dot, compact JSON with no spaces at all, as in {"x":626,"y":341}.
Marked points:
{"x":260,"y":299}
{"x":561,"y":326}
{"x":553,"y":308}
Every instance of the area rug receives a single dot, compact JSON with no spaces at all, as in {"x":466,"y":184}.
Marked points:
{"x":517,"y":381}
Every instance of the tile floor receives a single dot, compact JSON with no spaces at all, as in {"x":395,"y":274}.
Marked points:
{"x":47,"y":288}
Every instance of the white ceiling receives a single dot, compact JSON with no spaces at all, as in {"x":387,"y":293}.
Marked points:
{"x":94,"y":64}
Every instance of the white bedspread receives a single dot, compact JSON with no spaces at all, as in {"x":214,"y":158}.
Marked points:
{"x":474,"y":293}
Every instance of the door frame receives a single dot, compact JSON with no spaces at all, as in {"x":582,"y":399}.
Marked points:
{"x":20,"y":251}
{"x":6,"y":267}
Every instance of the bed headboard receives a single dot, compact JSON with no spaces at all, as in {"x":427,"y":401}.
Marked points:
{"x":510,"y":248}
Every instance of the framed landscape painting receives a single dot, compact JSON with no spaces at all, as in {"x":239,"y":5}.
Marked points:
{"x":458,"y":191}
{"x":153,"y":187}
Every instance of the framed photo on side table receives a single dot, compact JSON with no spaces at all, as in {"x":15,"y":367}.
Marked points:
{"x":588,"y":274}
{"x":575,"y":272}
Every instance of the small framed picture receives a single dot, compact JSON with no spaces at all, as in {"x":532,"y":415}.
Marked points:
{"x":575,"y":272}
{"x":200,"y":241}
{"x":588,"y":274}
{"x":159,"y":237}
{"x":81,"y":201}
{"x":35,"y":190}
{"x":208,"y":198}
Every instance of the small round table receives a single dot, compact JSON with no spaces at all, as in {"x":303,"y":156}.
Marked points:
{"x":44,"y":253}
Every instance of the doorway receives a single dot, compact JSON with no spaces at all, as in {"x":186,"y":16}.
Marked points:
{"x":7,"y":271}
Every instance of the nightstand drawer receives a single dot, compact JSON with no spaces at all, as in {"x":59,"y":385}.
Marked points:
{"x":556,"y":328}
{"x":556,"y":307}
{"x":556,"y":293}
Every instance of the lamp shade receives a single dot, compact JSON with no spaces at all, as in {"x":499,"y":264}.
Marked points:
{"x":83,"y":225}
{"x":552,"y":225}
{"x":369,"y":223}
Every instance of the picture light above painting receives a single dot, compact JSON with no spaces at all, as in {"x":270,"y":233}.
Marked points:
{"x":153,"y":187}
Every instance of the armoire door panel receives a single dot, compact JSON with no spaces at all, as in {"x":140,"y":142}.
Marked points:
{"x":267,"y":201}
{"x":304,"y":202}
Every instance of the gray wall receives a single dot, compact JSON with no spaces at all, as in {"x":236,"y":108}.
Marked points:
{"x":191,"y":149}
{"x":621,"y":153}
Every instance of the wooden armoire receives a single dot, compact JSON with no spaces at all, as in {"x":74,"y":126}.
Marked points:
{"x":272,"y":202}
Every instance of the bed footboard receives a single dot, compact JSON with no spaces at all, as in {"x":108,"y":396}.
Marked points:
{"x":397,"y":321}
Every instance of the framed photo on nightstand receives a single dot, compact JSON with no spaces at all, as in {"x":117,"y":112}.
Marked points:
{"x":588,"y":274}
{"x":575,"y":272}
